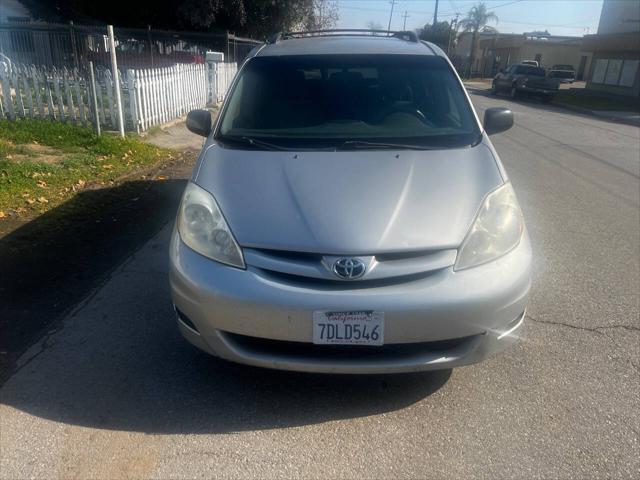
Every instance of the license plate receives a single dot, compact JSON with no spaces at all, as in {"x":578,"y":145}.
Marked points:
{"x":364,"y":327}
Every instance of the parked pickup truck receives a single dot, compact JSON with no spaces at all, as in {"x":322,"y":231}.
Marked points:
{"x":527,"y":80}
{"x":564,"y":73}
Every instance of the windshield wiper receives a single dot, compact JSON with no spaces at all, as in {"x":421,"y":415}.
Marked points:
{"x":361,"y":144}
{"x":254,"y":142}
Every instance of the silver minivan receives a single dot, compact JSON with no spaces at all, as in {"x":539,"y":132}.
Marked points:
{"x":349,"y":214}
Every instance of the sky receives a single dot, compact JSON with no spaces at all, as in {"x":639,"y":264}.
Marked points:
{"x":559,"y":17}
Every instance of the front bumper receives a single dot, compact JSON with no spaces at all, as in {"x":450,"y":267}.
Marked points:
{"x":444,"y":320}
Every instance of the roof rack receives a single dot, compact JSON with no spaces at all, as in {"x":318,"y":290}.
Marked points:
{"x":408,"y":36}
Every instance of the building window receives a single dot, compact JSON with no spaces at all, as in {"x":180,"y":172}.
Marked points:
{"x":613,"y":72}
{"x":599,"y":70}
{"x":629,"y":71}
{"x":617,"y":72}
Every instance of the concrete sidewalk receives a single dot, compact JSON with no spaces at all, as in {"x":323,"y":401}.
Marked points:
{"x":175,"y":136}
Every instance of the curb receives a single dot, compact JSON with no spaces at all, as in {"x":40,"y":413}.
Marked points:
{"x":634,"y":122}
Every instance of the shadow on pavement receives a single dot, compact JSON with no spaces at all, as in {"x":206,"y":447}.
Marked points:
{"x":120,"y":363}
{"x":49,"y":264}
{"x":189,"y":392}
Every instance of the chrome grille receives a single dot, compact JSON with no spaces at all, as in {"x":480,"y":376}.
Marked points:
{"x":380,"y":267}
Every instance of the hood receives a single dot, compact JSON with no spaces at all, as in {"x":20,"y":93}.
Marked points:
{"x":349,"y":202}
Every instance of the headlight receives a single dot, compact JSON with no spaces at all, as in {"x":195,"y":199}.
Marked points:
{"x":203,"y":228}
{"x":496,"y":230}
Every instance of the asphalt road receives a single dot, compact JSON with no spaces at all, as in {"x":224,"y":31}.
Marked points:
{"x":114,"y":392}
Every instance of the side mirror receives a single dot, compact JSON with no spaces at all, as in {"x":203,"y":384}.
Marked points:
{"x":199,"y":122}
{"x":497,"y":120}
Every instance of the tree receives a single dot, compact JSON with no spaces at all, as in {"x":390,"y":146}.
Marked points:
{"x":255,"y":18}
{"x":438,"y":34}
{"x":323,"y":15}
{"x":476,"y":21}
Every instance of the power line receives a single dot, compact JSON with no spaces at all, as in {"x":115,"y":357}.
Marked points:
{"x":393,"y":2}
{"x":490,"y":7}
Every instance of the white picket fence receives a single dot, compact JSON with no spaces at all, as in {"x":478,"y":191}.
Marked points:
{"x":150,"y":96}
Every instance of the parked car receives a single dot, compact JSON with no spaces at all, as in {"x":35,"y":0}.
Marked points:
{"x":564,"y":73}
{"x":533,"y":63}
{"x":349,"y":214}
{"x":525,"y":79}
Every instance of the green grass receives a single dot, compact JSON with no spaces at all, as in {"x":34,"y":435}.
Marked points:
{"x":43,"y":163}
{"x":592,"y":102}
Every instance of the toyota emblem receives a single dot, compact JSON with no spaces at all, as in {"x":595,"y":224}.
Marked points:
{"x":349,"y":268}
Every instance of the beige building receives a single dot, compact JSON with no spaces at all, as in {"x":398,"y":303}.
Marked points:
{"x":615,"y":68}
{"x":496,"y":51}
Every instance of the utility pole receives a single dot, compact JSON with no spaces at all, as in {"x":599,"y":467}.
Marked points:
{"x":404,"y":24}
{"x":435,"y":15}
{"x":452,"y":28}
{"x":393,"y":2}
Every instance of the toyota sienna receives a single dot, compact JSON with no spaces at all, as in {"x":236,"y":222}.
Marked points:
{"x":349,"y":214}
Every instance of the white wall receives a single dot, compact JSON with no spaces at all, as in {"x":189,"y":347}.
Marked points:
{"x":619,"y":16}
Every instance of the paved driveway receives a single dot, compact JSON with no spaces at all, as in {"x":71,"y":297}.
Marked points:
{"x":116,"y":393}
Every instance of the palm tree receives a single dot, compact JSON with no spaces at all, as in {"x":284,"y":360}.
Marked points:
{"x":476,"y":21}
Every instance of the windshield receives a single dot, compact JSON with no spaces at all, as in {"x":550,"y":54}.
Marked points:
{"x":530,"y":71}
{"x":331,"y":100}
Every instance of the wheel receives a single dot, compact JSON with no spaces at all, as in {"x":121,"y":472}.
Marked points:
{"x":546,"y":98}
{"x":513,"y":93}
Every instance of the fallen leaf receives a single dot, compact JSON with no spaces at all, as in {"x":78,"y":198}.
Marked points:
{"x":43,"y":200}
{"x":41,"y":184}
{"x":2,"y":214}
{"x":108,"y":166}
{"x":81,"y":183}
{"x":160,"y":177}
{"x":8,"y":157}
{"x":30,"y":201}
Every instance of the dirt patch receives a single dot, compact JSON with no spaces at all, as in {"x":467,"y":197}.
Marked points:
{"x":38,"y":153}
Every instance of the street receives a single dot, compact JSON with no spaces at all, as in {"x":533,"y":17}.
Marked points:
{"x":115,"y":392}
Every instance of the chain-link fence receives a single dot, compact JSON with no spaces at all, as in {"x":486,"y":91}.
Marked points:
{"x":73,"y":46}
{"x":65,"y":73}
